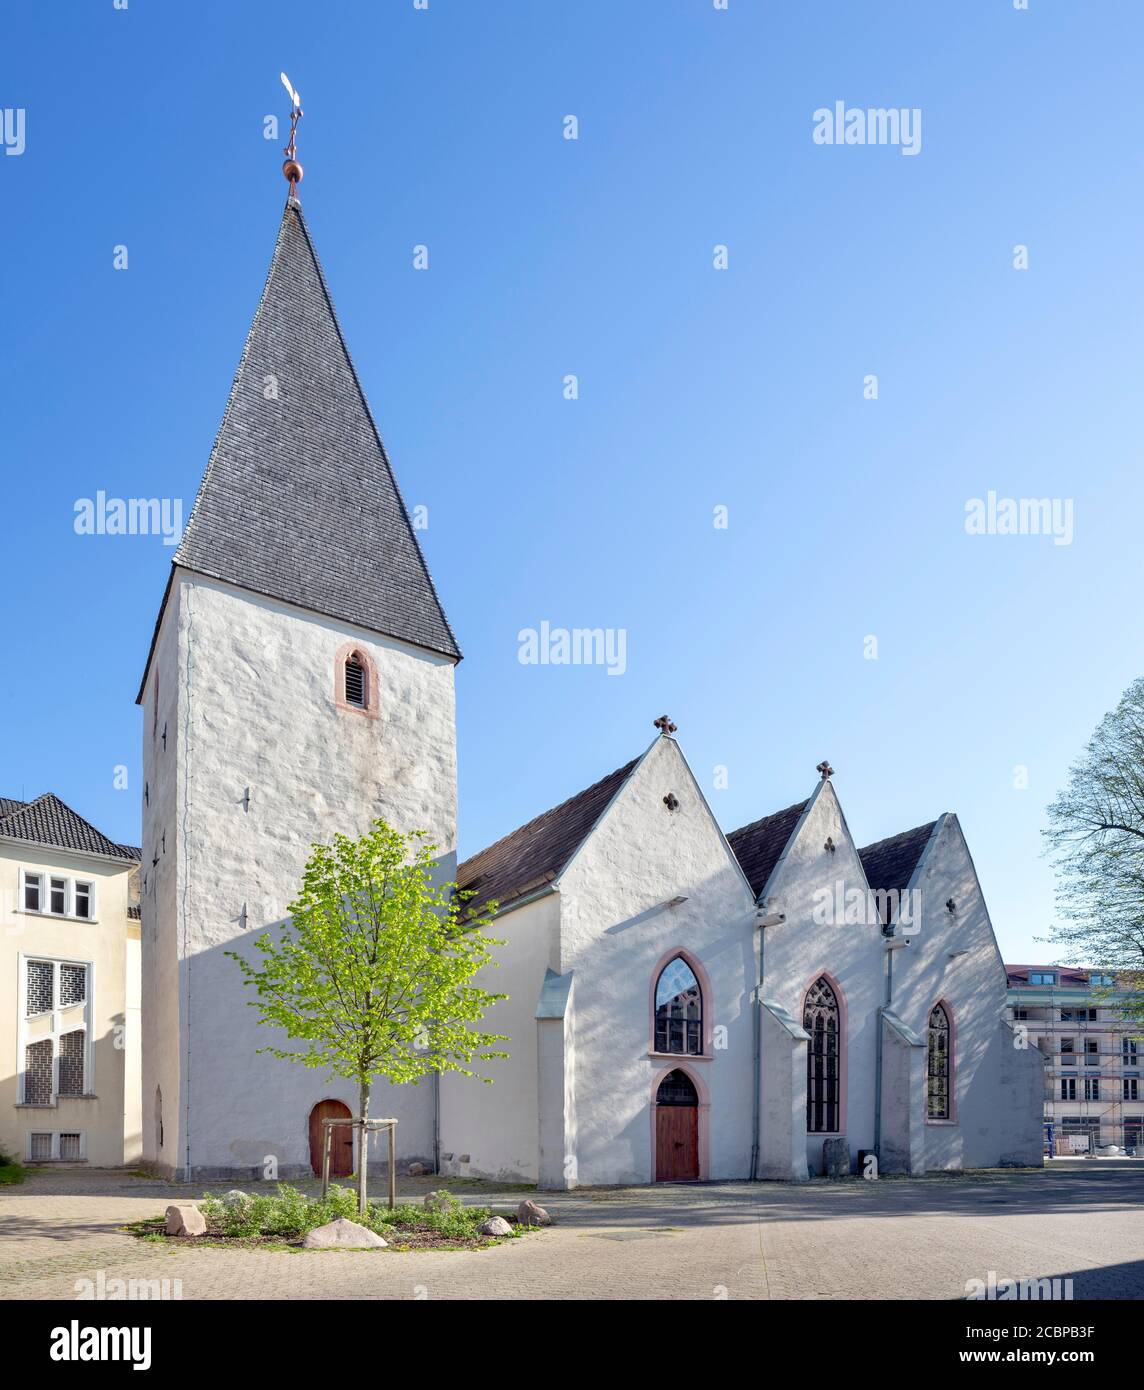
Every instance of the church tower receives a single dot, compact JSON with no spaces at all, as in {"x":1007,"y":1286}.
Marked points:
{"x":299,"y":683}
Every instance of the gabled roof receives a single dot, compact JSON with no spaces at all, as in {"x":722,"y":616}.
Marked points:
{"x":299,"y":501}
{"x":537,"y":853}
{"x":759,"y":845}
{"x":50,"y":821}
{"x":890,"y":863}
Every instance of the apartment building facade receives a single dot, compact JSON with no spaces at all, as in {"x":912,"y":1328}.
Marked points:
{"x":1094,"y":1085}
{"x":70,"y":1029}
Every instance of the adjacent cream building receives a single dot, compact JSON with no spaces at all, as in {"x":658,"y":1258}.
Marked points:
{"x":69,"y":1003}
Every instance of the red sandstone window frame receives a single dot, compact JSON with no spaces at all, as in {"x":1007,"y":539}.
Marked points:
{"x":355,"y":651}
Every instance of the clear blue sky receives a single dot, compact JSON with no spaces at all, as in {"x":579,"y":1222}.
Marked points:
{"x":698,"y":387}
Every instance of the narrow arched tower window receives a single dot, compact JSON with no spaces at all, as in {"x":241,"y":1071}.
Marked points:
{"x":937,"y":1087}
{"x":821,"y":1019}
{"x":357,"y":682}
{"x":678,"y":1009}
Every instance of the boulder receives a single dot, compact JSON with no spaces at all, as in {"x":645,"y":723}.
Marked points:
{"x":235,"y":1198}
{"x":836,"y":1158}
{"x":439,"y":1200}
{"x":529,"y":1214}
{"x":185,"y":1219}
{"x":494,"y":1226}
{"x":342,"y":1234}
{"x":416,"y":1170}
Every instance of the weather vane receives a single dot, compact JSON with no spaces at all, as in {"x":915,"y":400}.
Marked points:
{"x":291,"y":168}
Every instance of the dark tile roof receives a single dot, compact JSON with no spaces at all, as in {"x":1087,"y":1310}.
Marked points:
{"x":890,"y":863}
{"x":299,"y":501}
{"x":538,"y":852}
{"x":758,"y":846}
{"x":50,"y":821}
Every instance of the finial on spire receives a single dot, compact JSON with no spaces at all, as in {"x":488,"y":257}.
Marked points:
{"x":826,"y":770}
{"x":664,"y":725}
{"x":291,"y":168}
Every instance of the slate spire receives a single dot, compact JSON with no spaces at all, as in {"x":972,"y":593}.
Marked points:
{"x":299,"y":501}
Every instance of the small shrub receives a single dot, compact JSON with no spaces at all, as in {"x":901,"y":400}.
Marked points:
{"x":11,"y":1171}
{"x":289,"y":1214}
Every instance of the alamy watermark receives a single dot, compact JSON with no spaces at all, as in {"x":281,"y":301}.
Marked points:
{"x":576,"y":646}
{"x":991,"y":1289}
{"x":839,"y":906}
{"x":874,"y":125}
{"x":12,"y":129}
{"x":1020,"y":516}
{"x":130,"y":516}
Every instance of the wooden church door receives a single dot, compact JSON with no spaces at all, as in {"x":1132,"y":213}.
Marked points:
{"x":676,"y":1129}
{"x":342,"y":1143}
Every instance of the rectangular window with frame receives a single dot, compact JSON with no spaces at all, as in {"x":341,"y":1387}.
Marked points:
{"x":33,"y":892}
{"x":1068,"y":1088}
{"x":1067,"y":1047}
{"x":1091,"y":1052}
{"x":39,"y":1147}
{"x":84,"y":899}
{"x":1131,"y":1088}
{"x":1092,"y":1088}
{"x":58,"y":896}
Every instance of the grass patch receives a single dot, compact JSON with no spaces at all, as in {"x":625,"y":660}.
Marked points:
{"x":281,"y":1221}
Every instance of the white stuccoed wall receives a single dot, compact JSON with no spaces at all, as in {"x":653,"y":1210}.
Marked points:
{"x":798,"y":951}
{"x":160,"y":933}
{"x":999,"y":1100}
{"x":613,"y":932}
{"x":256,"y":709}
{"x":496,"y":1125}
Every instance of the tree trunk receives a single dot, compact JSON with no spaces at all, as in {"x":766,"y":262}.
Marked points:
{"x":363,"y":1147}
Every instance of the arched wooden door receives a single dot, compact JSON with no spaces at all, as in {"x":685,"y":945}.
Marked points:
{"x":342,"y":1144}
{"x":676,"y":1129}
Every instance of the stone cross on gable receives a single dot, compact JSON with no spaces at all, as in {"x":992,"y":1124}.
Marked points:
{"x":664,"y":725}
{"x":826,"y":770}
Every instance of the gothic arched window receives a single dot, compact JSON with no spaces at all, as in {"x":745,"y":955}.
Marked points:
{"x":355,"y":681}
{"x":678,"y":1009}
{"x":937,"y":1081}
{"x":822,"y":1020}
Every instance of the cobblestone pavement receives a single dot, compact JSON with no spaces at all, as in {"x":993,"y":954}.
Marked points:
{"x":897,"y":1238}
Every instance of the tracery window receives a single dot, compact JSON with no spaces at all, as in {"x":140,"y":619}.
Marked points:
{"x":937,"y":1090}
{"x":678,"y":1009}
{"x":821,"y":1018}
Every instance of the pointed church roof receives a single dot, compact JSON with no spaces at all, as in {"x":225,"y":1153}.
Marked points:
{"x":537,"y":853}
{"x":759,"y":846}
{"x":299,"y":501}
{"x":50,"y":821}
{"x":890,"y":863}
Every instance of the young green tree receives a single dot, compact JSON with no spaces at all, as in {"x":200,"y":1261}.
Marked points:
{"x":1096,"y":837}
{"x":371,"y":974}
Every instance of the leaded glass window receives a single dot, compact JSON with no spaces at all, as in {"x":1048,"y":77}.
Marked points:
{"x":937,"y":1091}
{"x":822,"y":1020}
{"x":678,"y":1009}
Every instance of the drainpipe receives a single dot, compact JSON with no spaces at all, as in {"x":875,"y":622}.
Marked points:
{"x":763,"y":920}
{"x":892,"y":944}
{"x":758,"y":1063}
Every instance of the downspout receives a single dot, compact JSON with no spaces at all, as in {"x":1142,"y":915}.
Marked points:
{"x":888,"y":973}
{"x":755,"y":1111}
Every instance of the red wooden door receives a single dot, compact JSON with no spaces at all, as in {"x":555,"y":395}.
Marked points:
{"x":676,"y":1143}
{"x":342,"y":1143}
